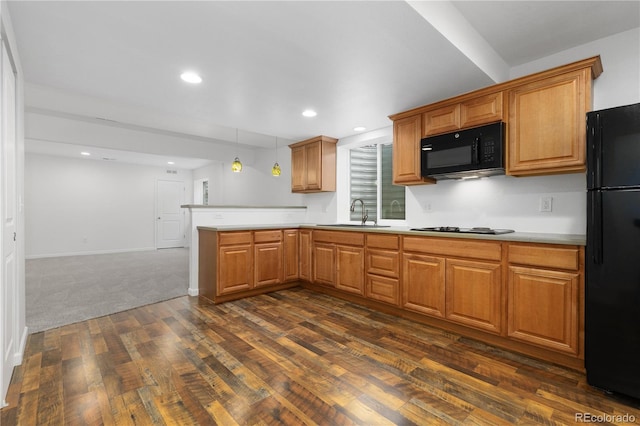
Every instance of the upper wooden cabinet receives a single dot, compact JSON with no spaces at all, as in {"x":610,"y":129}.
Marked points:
{"x":406,"y":151}
{"x":313,"y":165}
{"x":544,"y":115}
{"x":461,"y":115}
{"x":547,"y":124}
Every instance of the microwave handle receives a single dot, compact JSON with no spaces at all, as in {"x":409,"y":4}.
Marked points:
{"x":475,"y":151}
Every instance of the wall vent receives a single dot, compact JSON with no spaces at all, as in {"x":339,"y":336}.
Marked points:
{"x":172,"y":172}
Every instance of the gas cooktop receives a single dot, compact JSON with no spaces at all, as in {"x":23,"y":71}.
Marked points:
{"x":475,"y":230}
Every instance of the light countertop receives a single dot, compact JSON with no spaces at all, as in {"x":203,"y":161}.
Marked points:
{"x":525,"y":237}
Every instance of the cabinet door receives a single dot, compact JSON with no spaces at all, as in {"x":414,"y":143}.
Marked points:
{"x":473,"y":294}
{"x":482,"y":110}
{"x":298,"y":167}
{"x":235,"y":268}
{"x":441,"y":120}
{"x":423,"y":284}
{"x":406,"y":151}
{"x":305,"y":255}
{"x":268,"y":264}
{"x":547,"y":125}
{"x":291,"y":255}
{"x":313,"y":166}
{"x":350,"y":269}
{"x":324,"y":264}
{"x":543,"y":307}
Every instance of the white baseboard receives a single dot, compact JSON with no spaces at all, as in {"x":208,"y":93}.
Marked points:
{"x":193,"y":292}
{"x":18,"y":357}
{"x":86,"y":253}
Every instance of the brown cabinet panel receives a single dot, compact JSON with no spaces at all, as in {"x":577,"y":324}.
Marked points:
{"x":383,"y":262}
{"x":546,"y":125}
{"x":291,"y":255}
{"x":473,"y":294}
{"x":406,"y":151}
{"x":383,"y":289}
{"x":232,"y":237}
{"x":441,"y":120}
{"x":270,"y":236}
{"x":487,"y":250}
{"x":235,"y":268}
{"x":543,"y":308}
{"x":268,"y":264}
{"x":298,"y":166}
{"x":423,"y":284}
{"x":350,"y":269}
{"x":545,"y":256}
{"x":390,"y":242}
{"x":324,"y":264}
{"x":481,"y":110}
{"x":313,"y":164}
{"x":306,"y":255}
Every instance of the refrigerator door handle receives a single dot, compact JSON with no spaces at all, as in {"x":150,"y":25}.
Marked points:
{"x":596,"y":217}
{"x":597,"y":151}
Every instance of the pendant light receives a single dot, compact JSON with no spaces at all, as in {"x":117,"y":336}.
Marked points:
{"x":275,"y":170}
{"x":236,"y":166}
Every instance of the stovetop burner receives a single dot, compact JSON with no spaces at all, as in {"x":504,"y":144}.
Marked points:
{"x":475,"y":230}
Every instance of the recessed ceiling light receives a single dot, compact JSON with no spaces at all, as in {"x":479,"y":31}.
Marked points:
{"x":86,"y":154}
{"x":170,"y":162}
{"x":191,"y":77}
{"x":359,"y":129}
{"x":309,"y":113}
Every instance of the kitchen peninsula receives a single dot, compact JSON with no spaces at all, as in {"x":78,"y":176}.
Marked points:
{"x":520,"y":291}
{"x":233,"y":215}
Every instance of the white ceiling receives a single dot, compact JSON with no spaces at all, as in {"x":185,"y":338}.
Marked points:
{"x":264,"y":62}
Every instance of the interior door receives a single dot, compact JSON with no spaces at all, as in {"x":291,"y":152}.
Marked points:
{"x":170,"y":216}
{"x":8,"y":213}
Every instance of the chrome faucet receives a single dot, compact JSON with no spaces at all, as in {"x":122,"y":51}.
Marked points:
{"x":365,"y":216}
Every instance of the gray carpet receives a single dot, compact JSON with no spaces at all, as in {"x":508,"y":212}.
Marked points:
{"x":64,"y":290}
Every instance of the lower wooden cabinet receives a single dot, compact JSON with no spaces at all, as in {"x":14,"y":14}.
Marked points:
{"x":473,"y":295}
{"x":545,"y":302}
{"x":268,"y":257}
{"x":291,"y":249}
{"x":235,"y":262}
{"x":382,"y":264}
{"x":324,"y":264}
{"x":350,"y":269}
{"x":305,"y":255}
{"x":424,"y":284}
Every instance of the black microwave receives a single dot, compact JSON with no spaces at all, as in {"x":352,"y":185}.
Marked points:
{"x":475,"y":152}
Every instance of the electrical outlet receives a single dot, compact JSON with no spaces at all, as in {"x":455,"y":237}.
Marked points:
{"x":546,"y":204}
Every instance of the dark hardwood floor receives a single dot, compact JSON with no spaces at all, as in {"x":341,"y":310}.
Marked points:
{"x":292,"y":357}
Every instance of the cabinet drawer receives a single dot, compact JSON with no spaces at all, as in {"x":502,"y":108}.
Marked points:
{"x":389,"y":242}
{"x":383,"y":289}
{"x":349,"y":238}
{"x":267,"y":236}
{"x":381,"y":262}
{"x":548,"y":257}
{"x":233,"y":238}
{"x":461,"y":247}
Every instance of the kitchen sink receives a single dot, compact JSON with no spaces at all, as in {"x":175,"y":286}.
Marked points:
{"x":353,"y":225}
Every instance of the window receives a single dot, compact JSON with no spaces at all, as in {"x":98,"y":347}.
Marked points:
{"x":201,"y":191}
{"x":371,"y":181}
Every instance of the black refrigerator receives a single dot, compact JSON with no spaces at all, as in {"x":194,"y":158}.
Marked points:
{"x":612,"y":295}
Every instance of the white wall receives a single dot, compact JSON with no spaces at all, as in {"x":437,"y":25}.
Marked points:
{"x":254,"y":185}
{"x":81,"y":206}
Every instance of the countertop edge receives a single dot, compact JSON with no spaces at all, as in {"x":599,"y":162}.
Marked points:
{"x":202,"y":206}
{"x":523,"y":237}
